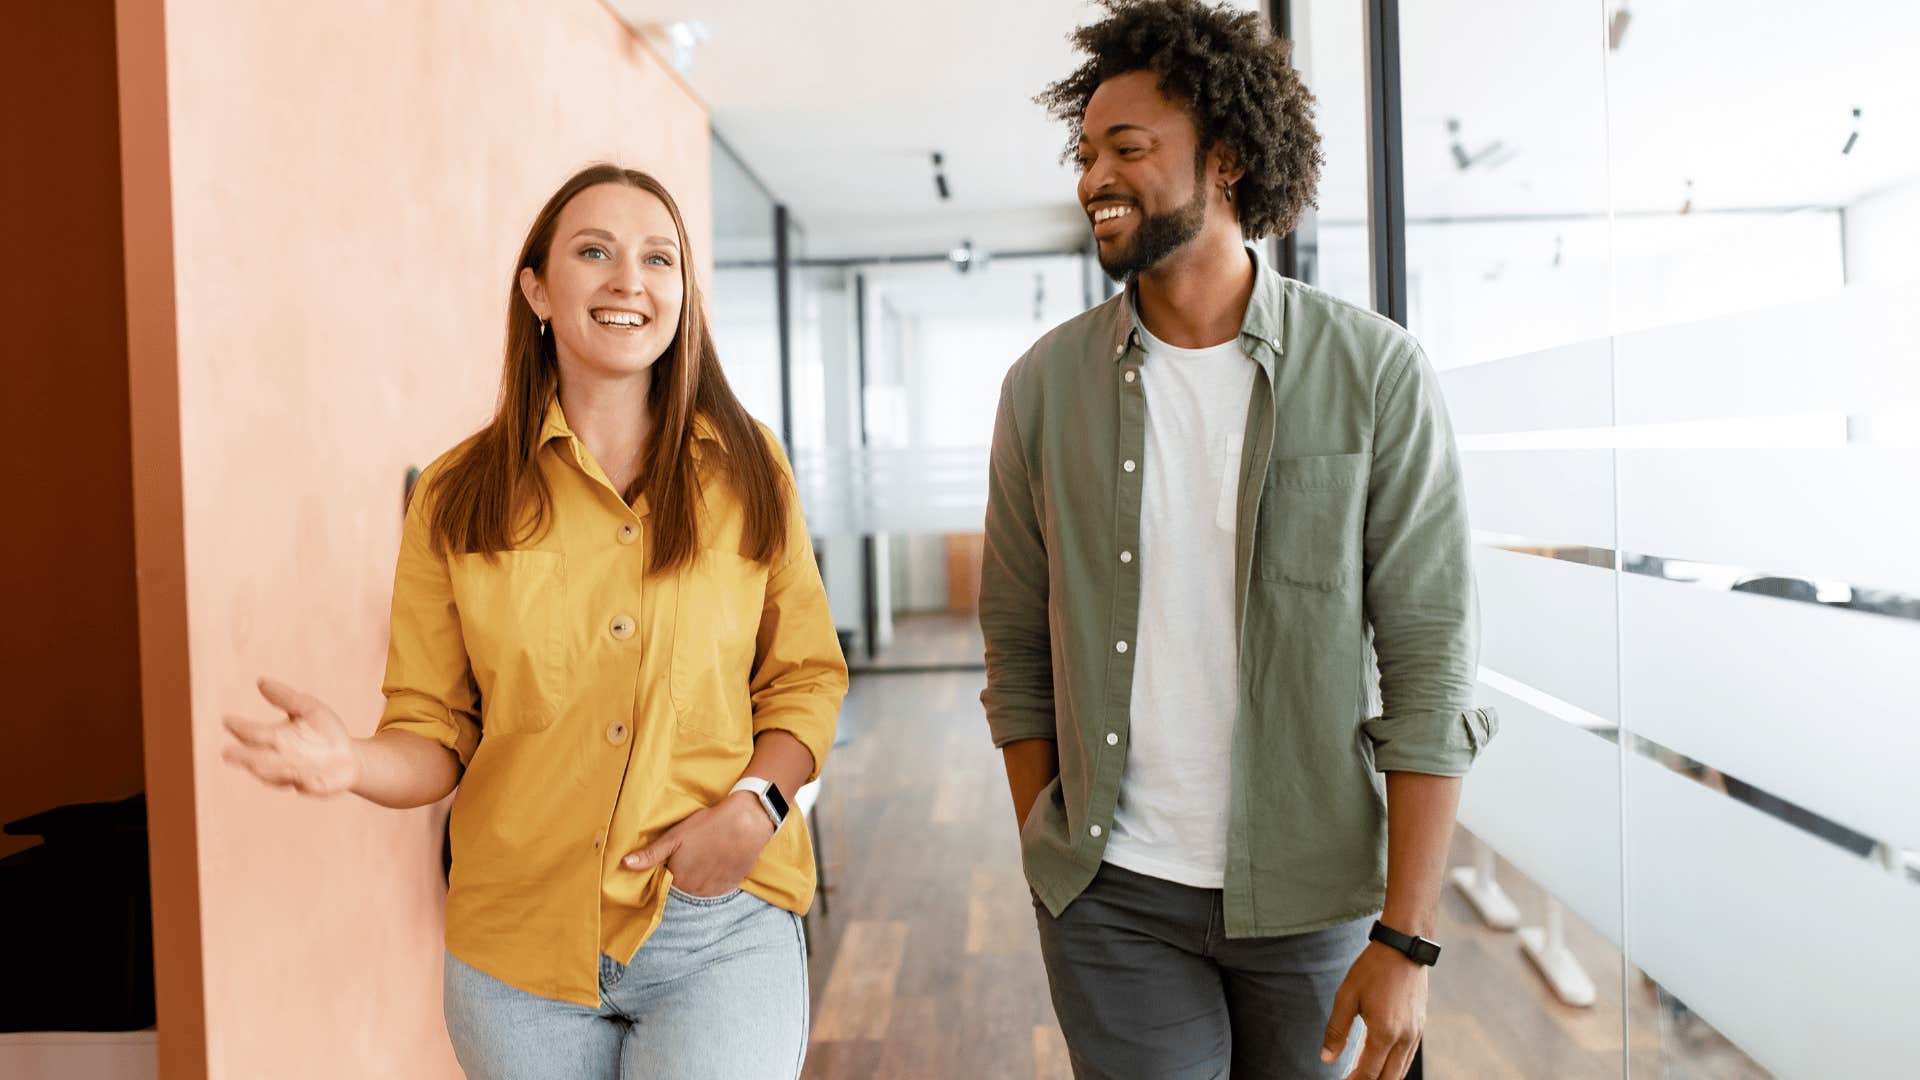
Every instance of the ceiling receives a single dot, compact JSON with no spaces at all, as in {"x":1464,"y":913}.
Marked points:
{"x":838,"y":104}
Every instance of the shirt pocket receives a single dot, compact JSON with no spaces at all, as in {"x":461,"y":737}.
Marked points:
{"x":1312,"y":515}
{"x":715,"y":631}
{"x":512,"y":608}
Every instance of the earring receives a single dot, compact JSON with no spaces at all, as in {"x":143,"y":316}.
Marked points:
{"x":543,"y":328}
{"x":1228,"y":190}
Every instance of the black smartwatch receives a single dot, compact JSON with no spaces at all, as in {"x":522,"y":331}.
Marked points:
{"x":1418,"y":949}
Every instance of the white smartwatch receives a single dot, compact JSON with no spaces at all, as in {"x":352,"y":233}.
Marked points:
{"x":768,"y":792}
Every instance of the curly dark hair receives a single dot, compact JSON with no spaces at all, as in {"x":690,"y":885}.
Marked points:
{"x":1232,"y":76}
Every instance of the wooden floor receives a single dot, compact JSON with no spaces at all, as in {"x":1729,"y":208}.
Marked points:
{"x":927,"y":965}
{"x":939,"y":638}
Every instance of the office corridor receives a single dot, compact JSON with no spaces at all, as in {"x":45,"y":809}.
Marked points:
{"x":926,"y":964}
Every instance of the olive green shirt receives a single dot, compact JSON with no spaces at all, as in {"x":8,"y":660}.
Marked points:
{"x":1353,"y":583}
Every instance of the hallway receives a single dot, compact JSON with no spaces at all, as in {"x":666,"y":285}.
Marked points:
{"x":927,"y":963}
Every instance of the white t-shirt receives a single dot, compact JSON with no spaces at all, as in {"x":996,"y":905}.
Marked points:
{"x":1171,"y":818}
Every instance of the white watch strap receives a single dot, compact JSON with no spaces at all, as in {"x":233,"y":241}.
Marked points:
{"x":759,"y":786}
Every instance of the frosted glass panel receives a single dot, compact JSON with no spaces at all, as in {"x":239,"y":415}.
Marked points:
{"x":850,"y":492}
{"x":1546,"y":795}
{"x":1554,"y":496}
{"x":1569,"y":387}
{"x":1800,"y":953}
{"x":1793,"y":698}
{"x":1847,"y":514}
{"x":1549,"y":624}
{"x":1856,"y":352}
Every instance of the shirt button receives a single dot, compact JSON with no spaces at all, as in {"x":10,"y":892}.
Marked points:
{"x":1129,"y":376}
{"x":1119,"y":646}
{"x":1095,"y":831}
{"x":1120,"y":349}
{"x":622,"y":627}
{"x":1127,"y":464}
{"x":617,"y":732}
{"x":629,"y":533}
{"x":1126,"y":556}
{"x":1113,"y":739}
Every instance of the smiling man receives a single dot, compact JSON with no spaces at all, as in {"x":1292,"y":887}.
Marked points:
{"x":1227,"y":596}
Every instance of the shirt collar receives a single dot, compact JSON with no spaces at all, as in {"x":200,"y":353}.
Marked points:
{"x":555,"y":427}
{"x":1261,"y":330}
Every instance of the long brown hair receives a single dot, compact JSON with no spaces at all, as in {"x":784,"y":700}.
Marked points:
{"x":494,"y":477}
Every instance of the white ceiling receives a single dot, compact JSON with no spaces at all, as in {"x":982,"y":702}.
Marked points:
{"x":837,"y":104}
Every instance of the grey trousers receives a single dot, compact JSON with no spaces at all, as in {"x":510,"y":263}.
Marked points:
{"x":1147,"y":985}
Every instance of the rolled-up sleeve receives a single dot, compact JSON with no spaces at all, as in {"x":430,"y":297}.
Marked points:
{"x":429,"y":684}
{"x":1013,"y":592}
{"x":799,"y":675}
{"x":1419,"y":583}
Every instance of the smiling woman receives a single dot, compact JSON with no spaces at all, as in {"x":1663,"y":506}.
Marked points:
{"x":609,"y":631}
{"x":605,"y":267}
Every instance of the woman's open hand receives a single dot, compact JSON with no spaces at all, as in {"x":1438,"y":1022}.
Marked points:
{"x":309,"y":751}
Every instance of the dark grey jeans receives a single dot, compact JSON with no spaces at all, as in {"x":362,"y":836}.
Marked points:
{"x":1146,"y":984}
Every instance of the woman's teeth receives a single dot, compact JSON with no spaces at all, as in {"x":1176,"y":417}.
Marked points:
{"x":619,"y":318}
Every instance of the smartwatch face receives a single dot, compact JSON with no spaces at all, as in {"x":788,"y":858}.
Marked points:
{"x":1424,"y":952}
{"x":778,"y":800}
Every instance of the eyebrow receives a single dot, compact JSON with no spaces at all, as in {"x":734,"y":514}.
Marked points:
{"x":602,"y":234}
{"x":1124,"y":127}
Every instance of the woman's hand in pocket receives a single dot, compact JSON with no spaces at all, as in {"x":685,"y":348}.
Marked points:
{"x":710,"y":853}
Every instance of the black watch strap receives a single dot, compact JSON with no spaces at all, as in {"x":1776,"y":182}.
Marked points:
{"x":1418,"y":949}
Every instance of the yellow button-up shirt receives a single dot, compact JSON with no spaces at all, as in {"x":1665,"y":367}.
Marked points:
{"x":594,"y":706}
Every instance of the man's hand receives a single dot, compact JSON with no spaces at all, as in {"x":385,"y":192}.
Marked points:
{"x":710,"y":853}
{"x":1031,"y":766}
{"x":1389,"y":992}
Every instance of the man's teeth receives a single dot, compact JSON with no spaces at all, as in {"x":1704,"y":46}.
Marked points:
{"x":1108,"y":213}
{"x":619,"y":318}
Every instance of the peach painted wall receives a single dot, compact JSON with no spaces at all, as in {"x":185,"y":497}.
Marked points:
{"x":350,"y":182}
{"x":70,"y":645}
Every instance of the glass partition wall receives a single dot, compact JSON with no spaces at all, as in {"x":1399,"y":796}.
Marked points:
{"x":1660,"y":253}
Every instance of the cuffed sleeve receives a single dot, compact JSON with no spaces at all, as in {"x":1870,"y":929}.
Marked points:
{"x":1419,"y":583}
{"x":429,"y":684}
{"x":799,"y":675}
{"x":1441,"y":744}
{"x":1013,"y":592}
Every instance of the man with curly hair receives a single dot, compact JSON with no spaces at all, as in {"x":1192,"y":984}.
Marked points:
{"x":1227,"y":596}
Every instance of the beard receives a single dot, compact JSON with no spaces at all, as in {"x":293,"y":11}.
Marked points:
{"x":1156,"y":237}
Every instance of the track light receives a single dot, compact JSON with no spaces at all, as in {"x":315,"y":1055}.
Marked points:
{"x":1617,"y":27}
{"x":1492,"y":155}
{"x":940,"y":176}
{"x":1853,"y":136}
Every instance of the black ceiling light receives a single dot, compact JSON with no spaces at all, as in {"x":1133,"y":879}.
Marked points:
{"x":1854,"y":135}
{"x":940,"y":176}
{"x":1491,"y":155}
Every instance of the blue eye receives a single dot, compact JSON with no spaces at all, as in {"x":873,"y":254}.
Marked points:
{"x":591,"y":249}
{"x":659,"y":260}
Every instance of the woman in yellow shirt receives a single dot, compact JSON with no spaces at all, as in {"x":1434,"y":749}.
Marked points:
{"x":610,"y":633}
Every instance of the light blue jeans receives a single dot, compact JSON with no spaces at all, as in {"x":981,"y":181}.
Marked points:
{"x":719,"y":990}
